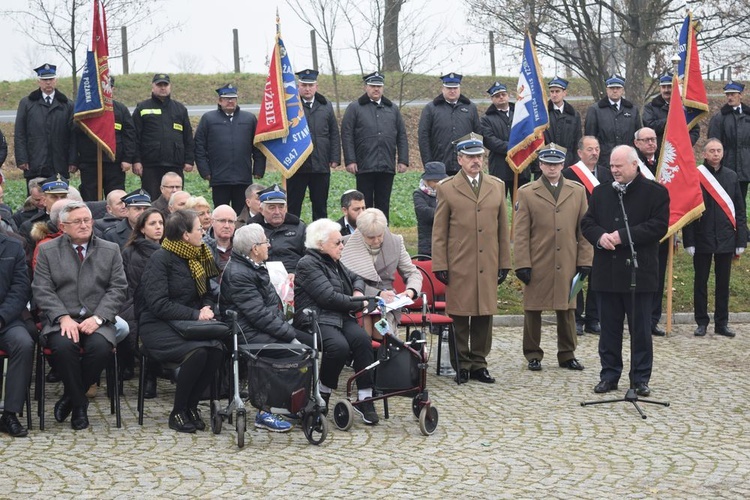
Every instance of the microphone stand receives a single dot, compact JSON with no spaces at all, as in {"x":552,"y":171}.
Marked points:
{"x":630,"y":395}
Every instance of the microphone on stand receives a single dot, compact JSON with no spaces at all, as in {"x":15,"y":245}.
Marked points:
{"x":620,"y":188}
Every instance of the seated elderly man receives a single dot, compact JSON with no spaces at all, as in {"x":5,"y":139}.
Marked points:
{"x":376,"y":254}
{"x":53,"y":189}
{"x":136,"y":202}
{"x":178,"y":201}
{"x":116,"y":211}
{"x":15,"y":292}
{"x":79,"y":285}
{"x":286,"y":232}
{"x":219,"y":236}
{"x":171,"y":182}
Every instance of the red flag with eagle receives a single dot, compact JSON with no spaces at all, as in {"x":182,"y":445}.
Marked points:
{"x":677,"y":170}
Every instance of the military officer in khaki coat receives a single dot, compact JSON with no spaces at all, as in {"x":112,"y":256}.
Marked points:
{"x":471,"y":254}
{"x":548,"y":251}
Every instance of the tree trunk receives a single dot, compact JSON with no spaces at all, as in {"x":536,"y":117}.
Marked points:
{"x":391,"y":56}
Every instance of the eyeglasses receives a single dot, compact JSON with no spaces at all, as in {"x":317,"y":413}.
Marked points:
{"x":648,"y":139}
{"x":79,"y":222}
{"x":173,"y":188}
{"x":226,"y":221}
{"x":263,"y":243}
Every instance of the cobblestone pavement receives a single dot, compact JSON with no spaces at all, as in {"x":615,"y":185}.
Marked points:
{"x":526,"y":436}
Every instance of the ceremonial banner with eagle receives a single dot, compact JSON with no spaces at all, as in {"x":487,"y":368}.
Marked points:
{"x":677,"y":170}
{"x":282,"y":133}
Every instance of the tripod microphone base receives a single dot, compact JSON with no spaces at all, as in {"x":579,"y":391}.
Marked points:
{"x":630,"y":397}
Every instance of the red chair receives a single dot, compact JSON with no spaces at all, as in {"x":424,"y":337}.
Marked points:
{"x":3,"y":356}
{"x":113,"y":384}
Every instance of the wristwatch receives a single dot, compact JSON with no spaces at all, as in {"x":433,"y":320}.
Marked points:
{"x":99,"y":321}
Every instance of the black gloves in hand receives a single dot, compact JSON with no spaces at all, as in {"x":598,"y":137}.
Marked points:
{"x":524,"y":274}
{"x":442,"y":276}
{"x":584,"y":270}
{"x":501,"y":275}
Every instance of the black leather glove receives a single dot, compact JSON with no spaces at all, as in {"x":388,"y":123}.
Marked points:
{"x":524,"y":274}
{"x":501,"y":275}
{"x":584,"y":271}
{"x":442,"y":276}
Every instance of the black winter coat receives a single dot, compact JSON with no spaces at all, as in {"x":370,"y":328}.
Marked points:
{"x":647,"y":205}
{"x":324,"y":129}
{"x":611,"y":127}
{"x":713,"y":233}
{"x":164,"y":135}
{"x":424,"y":207}
{"x":325,"y":286}
{"x":733,"y":131}
{"x":124,"y":135}
{"x":168,"y":292}
{"x":655,"y":117}
{"x":119,"y":233}
{"x":247,"y":289}
{"x":565,"y":129}
{"x":224,"y":148}
{"x":43,"y":135}
{"x":440,"y":124}
{"x":134,"y":260}
{"x":496,"y":132}
{"x":374,"y":136}
{"x":287,"y":240}
{"x":15,"y":286}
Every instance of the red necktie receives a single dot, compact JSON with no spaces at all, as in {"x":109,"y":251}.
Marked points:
{"x":79,"y":248}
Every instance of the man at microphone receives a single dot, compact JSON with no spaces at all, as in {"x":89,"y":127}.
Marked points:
{"x":646,"y":204}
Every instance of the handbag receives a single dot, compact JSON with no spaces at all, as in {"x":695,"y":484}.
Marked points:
{"x":201,"y":329}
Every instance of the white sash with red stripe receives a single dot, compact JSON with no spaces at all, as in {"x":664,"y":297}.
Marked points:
{"x":645,"y":171}
{"x":587,"y":178}
{"x":718,"y":193}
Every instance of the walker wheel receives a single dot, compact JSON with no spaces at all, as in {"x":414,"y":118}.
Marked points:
{"x":216,"y":419}
{"x":241,"y":426}
{"x":343,"y":415}
{"x":416,"y":406}
{"x":428,"y":420}
{"x":315,"y":427}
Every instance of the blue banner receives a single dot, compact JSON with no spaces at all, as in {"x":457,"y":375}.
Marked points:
{"x":89,"y":100}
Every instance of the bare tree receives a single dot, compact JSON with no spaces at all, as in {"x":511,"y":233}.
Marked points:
{"x":391,"y":56}
{"x":188,"y":62}
{"x":322,"y":17}
{"x":65,"y":26}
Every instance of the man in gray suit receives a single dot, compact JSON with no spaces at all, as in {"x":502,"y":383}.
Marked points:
{"x":79,"y":285}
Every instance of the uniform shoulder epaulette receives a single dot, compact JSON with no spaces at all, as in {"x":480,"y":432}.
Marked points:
{"x":446,"y":179}
{"x":527,"y":185}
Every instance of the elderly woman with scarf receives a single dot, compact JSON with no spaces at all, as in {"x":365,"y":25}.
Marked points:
{"x":425,"y":202}
{"x":175,"y":286}
{"x":376,"y":254}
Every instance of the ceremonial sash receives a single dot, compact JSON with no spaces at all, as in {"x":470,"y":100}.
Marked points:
{"x":584,"y":174}
{"x":645,"y":171}
{"x":718,"y":193}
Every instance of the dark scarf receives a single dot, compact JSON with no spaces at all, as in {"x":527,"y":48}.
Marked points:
{"x":199,"y":259}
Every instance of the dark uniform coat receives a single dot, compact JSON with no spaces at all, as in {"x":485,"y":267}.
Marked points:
{"x":733,"y":131}
{"x":287,"y":240}
{"x":647,"y":205}
{"x":496,"y":132}
{"x":164,"y":135}
{"x":548,"y":240}
{"x":224,"y":148}
{"x":713,"y":232}
{"x":565,"y":129}
{"x":655,"y":117}
{"x":471,"y":240}
{"x":374,"y":136}
{"x":326,"y":140}
{"x":611,"y":127}
{"x":424,"y":208}
{"x":442,"y":123}
{"x":119,"y":233}
{"x":43,"y":135}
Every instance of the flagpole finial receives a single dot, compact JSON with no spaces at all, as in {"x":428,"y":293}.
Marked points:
{"x":675,"y":63}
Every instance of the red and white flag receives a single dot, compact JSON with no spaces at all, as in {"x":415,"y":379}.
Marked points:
{"x":677,"y":170}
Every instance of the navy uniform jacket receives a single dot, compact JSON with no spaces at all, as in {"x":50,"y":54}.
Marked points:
{"x":15,"y":288}
{"x":611,"y":127}
{"x":565,"y":130}
{"x":287,"y":240}
{"x":441,"y":124}
{"x":647,"y":205}
{"x":733,"y":131}
{"x":119,"y":233}
{"x":326,"y":140}
{"x":655,"y":117}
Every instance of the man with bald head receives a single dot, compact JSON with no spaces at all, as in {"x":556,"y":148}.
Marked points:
{"x":219,"y":237}
{"x":116,"y":211}
{"x":170,"y":183}
{"x":177,"y":201}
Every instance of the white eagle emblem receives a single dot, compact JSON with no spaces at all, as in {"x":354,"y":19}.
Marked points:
{"x":668,"y":168}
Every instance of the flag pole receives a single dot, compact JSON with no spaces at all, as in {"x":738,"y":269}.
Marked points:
{"x":670,"y":265}
{"x":99,"y":181}
{"x":513,"y":195}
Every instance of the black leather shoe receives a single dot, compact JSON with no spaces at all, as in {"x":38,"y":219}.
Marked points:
{"x":52,"y":376}
{"x":571,"y":364}
{"x":724,"y":331}
{"x":641,"y":388}
{"x":657,"y":332}
{"x":10,"y":425}
{"x":700,"y":331}
{"x":149,"y":388}
{"x":535,"y":365}
{"x":482,"y":375}
{"x":579,"y":328}
{"x":80,"y":418}
{"x":462,"y":376}
{"x":327,"y":398}
{"x":593,"y":328}
{"x":63,"y":408}
{"x":180,"y":422}
{"x":195,"y":418}
{"x":605,"y":386}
